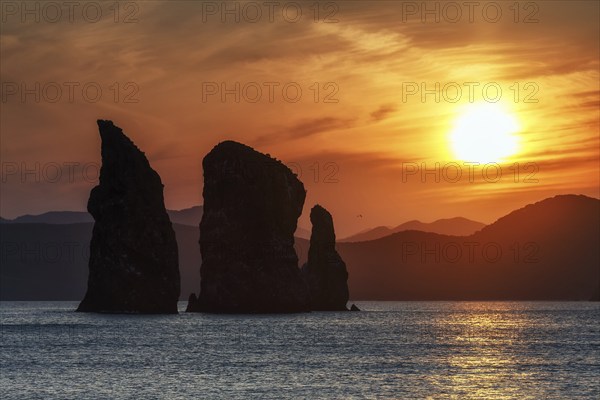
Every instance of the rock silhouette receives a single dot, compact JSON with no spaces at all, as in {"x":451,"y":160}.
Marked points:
{"x":133,"y":265}
{"x":325,"y":271}
{"x":251,"y":207}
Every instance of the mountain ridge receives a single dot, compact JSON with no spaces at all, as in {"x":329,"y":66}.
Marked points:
{"x":455,"y":226}
{"x":550,"y":252}
{"x":190,"y":216}
{"x":184,"y":216}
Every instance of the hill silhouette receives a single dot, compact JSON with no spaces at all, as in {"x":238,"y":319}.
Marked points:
{"x":544,"y":251}
{"x":549,"y":252}
{"x":187,"y":216}
{"x":457,"y":226}
{"x":52,"y":217}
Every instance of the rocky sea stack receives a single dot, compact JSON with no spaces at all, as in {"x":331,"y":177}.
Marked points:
{"x":251,"y":207}
{"x":325,"y":271}
{"x":133,"y":266}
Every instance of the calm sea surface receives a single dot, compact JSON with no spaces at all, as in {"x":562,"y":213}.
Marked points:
{"x":407,"y":350}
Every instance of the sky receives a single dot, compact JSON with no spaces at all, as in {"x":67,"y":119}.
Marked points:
{"x":367,"y":101}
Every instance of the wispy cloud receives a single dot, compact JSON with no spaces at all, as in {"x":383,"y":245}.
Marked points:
{"x":368,"y":54}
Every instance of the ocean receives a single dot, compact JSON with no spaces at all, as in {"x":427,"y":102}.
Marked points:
{"x":399,"y":350}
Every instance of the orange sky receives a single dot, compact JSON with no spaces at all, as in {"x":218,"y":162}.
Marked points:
{"x":366,"y":141}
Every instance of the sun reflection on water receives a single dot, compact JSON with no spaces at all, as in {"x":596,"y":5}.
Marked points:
{"x":488,"y":360}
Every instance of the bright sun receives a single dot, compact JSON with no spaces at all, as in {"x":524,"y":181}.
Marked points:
{"x":484,"y":133}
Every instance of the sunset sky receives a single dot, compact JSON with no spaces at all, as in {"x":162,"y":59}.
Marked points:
{"x":366,"y":56}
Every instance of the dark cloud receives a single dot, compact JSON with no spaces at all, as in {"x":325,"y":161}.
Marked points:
{"x":382,"y":112}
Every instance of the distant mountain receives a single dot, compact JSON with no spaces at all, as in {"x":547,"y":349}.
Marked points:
{"x":458,"y":226}
{"x":50,"y":261}
{"x":369,"y":234}
{"x":544,"y":251}
{"x":189,"y":216}
{"x":52,"y":217}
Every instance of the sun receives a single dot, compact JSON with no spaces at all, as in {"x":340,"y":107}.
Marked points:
{"x":484,"y":133}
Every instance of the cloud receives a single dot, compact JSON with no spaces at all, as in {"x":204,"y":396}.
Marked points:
{"x":369,"y":53}
{"x":382,"y":112}
{"x":305,"y":129}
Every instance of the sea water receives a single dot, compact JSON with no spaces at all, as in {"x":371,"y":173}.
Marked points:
{"x":405,"y":350}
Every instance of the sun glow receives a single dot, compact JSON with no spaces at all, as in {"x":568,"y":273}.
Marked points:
{"x":484,"y":133}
